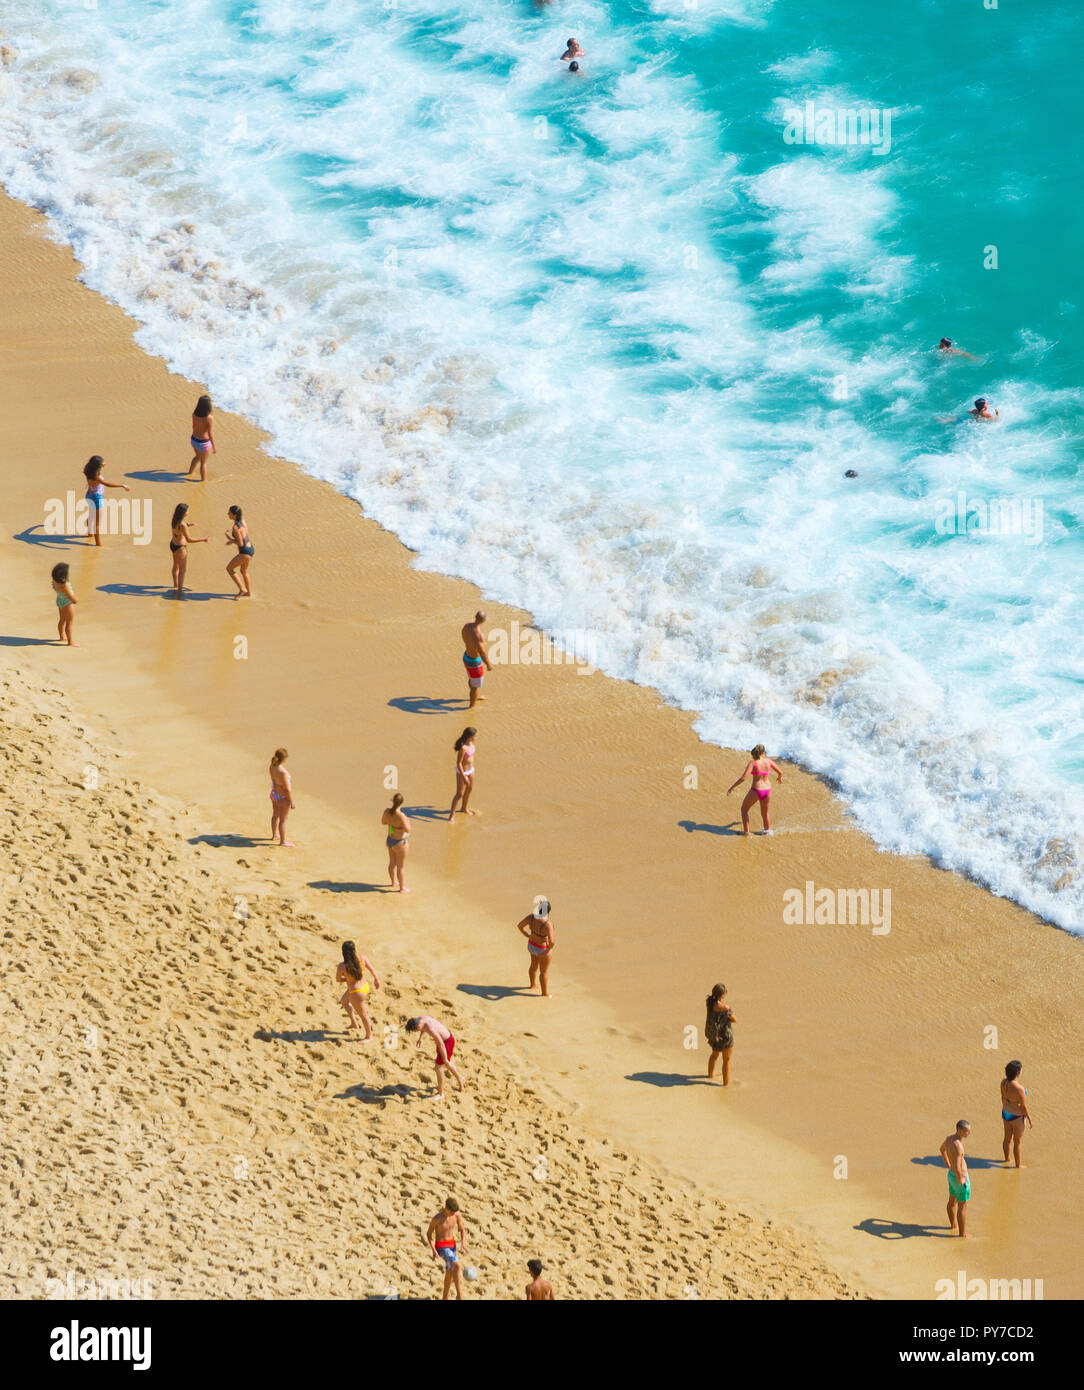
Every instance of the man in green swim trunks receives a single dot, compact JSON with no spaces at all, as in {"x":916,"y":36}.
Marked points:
{"x":959,"y":1182}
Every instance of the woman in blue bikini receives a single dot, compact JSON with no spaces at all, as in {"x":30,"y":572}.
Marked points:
{"x":1014,"y":1111}
{"x":238,"y":535}
{"x":96,"y":485}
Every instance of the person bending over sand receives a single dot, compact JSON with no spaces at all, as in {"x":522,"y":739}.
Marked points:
{"x":282,"y":797}
{"x":65,"y":602}
{"x":475,"y":657}
{"x":538,"y":929}
{"x":539,"y":1290}
{"x":351,"y":972}
{"x":238,"y":535}
{"x":1014,"y":1111}
{"x":203,"y":437}
{"x":96,"y":485}
{"x":959,"y":1181}
{"x":464,"y":771}
{"x":761,"y":767}
{"x":182,"y":538}
{"x":719,"y":1031}
{"x":397,"y":840}
{"x":425,"y":1026}
{"x":444,"y":1233}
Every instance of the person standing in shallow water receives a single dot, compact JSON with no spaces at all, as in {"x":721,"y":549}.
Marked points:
{"x":464,"y":771}
{"x":181,"y":539}
{"x":94,"y":473}
{"x":397,"y":838}
{"x":65,"y":603}
{"x":719,"y":1031}
{"x":238,"y":535}
{"x":1014,"y":1111}
{"x":203,"y":437}
{"x":282,"y":797}
{"x":760,"y":767}
{"x":959,"y":1180}
{"x":475,"y":656}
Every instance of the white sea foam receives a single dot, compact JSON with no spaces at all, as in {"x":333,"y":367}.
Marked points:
{"x":503,"y":313}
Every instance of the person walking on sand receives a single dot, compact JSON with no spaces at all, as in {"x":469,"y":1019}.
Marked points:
{"x":203,"y":437}
{"x":351,"y":972}
{"x":65,"y":603}
{"x":96,"y":485}
{"x":182,"y":538}
{"x":538,"y":929}
{"x":719,"y":1031}
{"x":1014,"y":1111}
{"x":446,"y":1237}
{"x":282,"y":797}
{"x":761,"y":767}
{"x":475,"y":657}
{"x":397,"y":841}
{"x":539,"y":1290}
{"x":425,"y":1026}
{"x":238,"y":535}
{"x":959,"y":1181}
{"x":464,"y":771}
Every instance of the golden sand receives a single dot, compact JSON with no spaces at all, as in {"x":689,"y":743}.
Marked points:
{"x":856,"y":1051}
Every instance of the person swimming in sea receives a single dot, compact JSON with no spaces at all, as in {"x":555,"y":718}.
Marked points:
{"x":980,"y":412}
{"x":282,"y":797}
{"x":719,"y":1031}
{"x":760,"y":767}
{"x":464,"y":771}
{"x":238,"y":535}
{"x":573,"y":50}
{"x":397,"y":841}
{"x":94,"y":473}
{"x":351,"y":972}
{"x":1014,"y":1111}
{"x":65,"y":603}
{"x":945,"y":345}
{"x":538,"y":929}
{"x":203,"y":437}
{"x":182,"y":538}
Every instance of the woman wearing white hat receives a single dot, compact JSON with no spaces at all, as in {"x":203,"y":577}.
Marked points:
{"x":538,"y":929}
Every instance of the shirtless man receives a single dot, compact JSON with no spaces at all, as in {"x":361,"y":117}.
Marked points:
{"x":1014,"y":1111}
{"x":959,"y":1182}
{"x":425,"y":1026}
{"x":945,"y":345}
{"x":445,"y":1232}
{"x":475,"y":657}
{"x":981,"y":412}
{"x":572,"y":51}
{"x":539,"y":1290}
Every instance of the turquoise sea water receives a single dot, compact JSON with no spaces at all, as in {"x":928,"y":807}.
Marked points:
{"x":608,"y":344}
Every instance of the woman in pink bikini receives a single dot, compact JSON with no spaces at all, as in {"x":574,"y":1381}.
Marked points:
{"x":464,"y":771}
{"x":761,"y":767}
{"x":538,"y":929}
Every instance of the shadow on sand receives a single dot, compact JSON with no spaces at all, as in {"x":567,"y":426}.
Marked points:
{"x":327,"y":885}
{"x":693,"y":827}
{"x":50,"y":542}
{"x":669,"y":1078}
{"x":902,"y":1230}
{"x":227,"y":841}
{"x":31,"y":642}
{"x":165,"y":591}
{"x":425,"y":704}
{"x":378,"y":1095}
{"x":494,"y":992}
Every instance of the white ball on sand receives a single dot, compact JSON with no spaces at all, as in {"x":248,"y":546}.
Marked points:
{"x":470,"y":1272}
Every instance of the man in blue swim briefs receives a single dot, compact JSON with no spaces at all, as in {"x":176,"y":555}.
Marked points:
{"x":475,"y":657}
{"x":959,"y":1181}
{"x":445,"y":1232}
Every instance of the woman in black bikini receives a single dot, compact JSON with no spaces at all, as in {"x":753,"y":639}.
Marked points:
{"x":238,"y":535}
{"x":182,"y":539}
{"x":719,"y":1031}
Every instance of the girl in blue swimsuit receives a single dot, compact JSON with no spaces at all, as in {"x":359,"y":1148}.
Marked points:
{"x":65,"y":602}
{"x":96,"y":485}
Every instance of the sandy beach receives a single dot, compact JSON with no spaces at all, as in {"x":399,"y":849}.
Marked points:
{"x":219,"y":1047}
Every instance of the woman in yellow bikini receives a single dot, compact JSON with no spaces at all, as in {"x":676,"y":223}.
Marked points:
{"x":351,"y":972}
{"x":398,"y":825}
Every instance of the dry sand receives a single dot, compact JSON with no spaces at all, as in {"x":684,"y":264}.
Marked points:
{"x":855,"y":1052}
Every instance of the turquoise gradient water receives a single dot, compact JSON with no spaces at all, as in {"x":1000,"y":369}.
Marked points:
{"x":607,"y":345}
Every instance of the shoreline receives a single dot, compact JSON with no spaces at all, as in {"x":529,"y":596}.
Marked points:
{"x":582,"y":789}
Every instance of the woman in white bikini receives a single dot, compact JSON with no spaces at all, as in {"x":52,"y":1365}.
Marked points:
{"x":464,"y":771}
